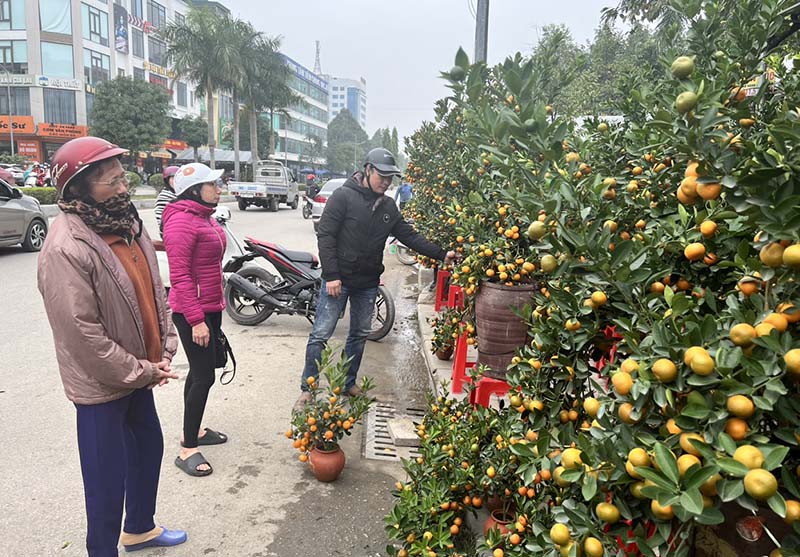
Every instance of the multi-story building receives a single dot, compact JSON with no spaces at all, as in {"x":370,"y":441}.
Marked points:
{"x":54,"y":53}
{"x":350,"y":94}
{"x":307,"y":122}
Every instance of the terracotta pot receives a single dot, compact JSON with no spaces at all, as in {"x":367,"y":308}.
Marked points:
{"x":326,"y":465}
{"x":500,"y":330}
{"x":498,"y":519}
{"x":445,"y":353}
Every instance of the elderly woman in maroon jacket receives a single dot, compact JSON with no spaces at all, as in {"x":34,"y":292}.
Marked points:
{"x":114,"y":342}
{"x":195,"y":245}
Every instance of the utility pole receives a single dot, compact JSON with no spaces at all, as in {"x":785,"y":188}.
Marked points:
{"x":481,"y":30}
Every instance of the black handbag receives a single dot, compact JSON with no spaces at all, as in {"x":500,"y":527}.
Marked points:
{"x":222,"y":352}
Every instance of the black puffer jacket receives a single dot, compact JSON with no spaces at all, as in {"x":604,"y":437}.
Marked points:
{"x":352,"y":235}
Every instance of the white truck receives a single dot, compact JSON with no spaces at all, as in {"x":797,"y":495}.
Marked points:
{"x":273,"y":184}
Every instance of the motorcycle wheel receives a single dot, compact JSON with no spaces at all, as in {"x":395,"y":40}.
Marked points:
{"x":307,"y":211}
{"x":405,"y":255}
{"x":244,"y":310}
{"x":383,"y":317}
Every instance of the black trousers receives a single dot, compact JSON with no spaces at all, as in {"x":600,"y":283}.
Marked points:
{"x":201,"y":373}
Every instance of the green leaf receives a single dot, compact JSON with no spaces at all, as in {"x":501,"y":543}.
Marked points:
{"x":696,"y":411}
{"x":462,"y":60}
{"x":589,"y":488}
{"x":727,"y":443}
{"x":777,"y":504}
{"x":667,"y":463}
{"x":711,"y":517}
{"x":730,"y":489}
{"x":692,"y":501}
{"x":657,"y":478}
{"x":732,"y":467}
{"x":773,"y":456}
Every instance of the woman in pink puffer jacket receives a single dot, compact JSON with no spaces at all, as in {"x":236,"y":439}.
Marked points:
{"x":195,"y":245}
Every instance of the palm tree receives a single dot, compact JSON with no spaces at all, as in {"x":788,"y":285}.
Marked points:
{"x":259,"y":80}
{"x":278,"y":96}
{"x":246,"y":40}
{"x":201,"y":49}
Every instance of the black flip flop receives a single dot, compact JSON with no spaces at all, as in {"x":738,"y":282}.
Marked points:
{"x":210,"y":438}
{"x":190,"y":465}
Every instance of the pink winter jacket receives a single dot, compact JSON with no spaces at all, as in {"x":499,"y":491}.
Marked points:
{"x":195,"y":244}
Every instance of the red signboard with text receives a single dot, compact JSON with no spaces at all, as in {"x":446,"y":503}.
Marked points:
{"x":29,"y":149}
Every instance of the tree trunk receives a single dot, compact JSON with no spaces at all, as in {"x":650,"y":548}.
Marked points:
{"x":212,"y":140}
{"x":271,"y":131}
{"x":235,"y":100}
{"x":253,"y":116}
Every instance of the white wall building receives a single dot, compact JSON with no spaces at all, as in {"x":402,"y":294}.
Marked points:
{"x":305,"y":121}
{"x":350,"y":94}
{"x":57,"y":51}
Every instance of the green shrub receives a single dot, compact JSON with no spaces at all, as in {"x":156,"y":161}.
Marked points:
{"x":157,"y":181}
{"x":46,"y":196}
{"x":19,"y":160}
{"x":134,"y":181}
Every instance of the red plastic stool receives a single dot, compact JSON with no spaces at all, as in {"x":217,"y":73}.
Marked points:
{"x":442,"y":278}
{"x":486,"y":387}
{"x":460,"y":365}
{"x":455,"y":297}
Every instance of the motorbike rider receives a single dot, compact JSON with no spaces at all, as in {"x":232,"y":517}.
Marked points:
{"x":353,"y":229}
{"x":166,"y":195}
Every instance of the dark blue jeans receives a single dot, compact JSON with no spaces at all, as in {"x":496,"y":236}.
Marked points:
{"x":362,"y":306}
{"x":121,"y":446}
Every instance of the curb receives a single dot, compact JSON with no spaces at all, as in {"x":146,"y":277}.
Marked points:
{"x":52,"y":210}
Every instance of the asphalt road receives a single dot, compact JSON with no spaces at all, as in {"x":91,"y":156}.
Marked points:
{"x":260,"y":501}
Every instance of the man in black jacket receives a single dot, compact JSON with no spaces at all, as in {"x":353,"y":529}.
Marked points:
{"x":352,"y":233}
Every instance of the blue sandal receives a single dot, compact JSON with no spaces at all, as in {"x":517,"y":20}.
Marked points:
{"x":166,"y":539}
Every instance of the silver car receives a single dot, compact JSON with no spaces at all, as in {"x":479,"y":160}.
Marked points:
{"x":318,"y":203}
{"x":21,"y":219}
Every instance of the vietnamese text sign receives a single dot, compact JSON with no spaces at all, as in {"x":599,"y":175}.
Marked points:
{"x":59,"y":82}
{"x":62,"y":130}
{"x":21,"y":124}
{"x":12,"y":79}
{"x":28,"y":149}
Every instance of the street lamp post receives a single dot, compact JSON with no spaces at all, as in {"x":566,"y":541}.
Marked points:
{"x":10,"y":111}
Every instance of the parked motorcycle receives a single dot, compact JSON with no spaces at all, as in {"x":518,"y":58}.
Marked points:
{"x":306,"y":207}
{"x":252,"y":293}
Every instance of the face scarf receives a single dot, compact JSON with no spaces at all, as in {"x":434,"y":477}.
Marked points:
{"x":115,"y":215}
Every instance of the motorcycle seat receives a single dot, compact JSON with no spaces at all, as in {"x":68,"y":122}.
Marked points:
{"x":300,"y":256}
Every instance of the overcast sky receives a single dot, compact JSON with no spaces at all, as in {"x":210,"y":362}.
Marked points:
{"x":400,"y":46}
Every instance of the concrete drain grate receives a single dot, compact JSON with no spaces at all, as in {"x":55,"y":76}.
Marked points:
{"x":378,"y":444}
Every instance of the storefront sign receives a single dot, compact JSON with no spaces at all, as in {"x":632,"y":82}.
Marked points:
{"x":59,"y":82}
{"x":12,"y":79}
{"x":159,"y":70}
{"x":21,"y":124}
{"x":175,"y":144}
{"x":28,"y":149}
{"x":120,"y":29}
{"x":62,"y":130}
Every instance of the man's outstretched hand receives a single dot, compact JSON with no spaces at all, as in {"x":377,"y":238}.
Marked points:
{"x":450,"y":257}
